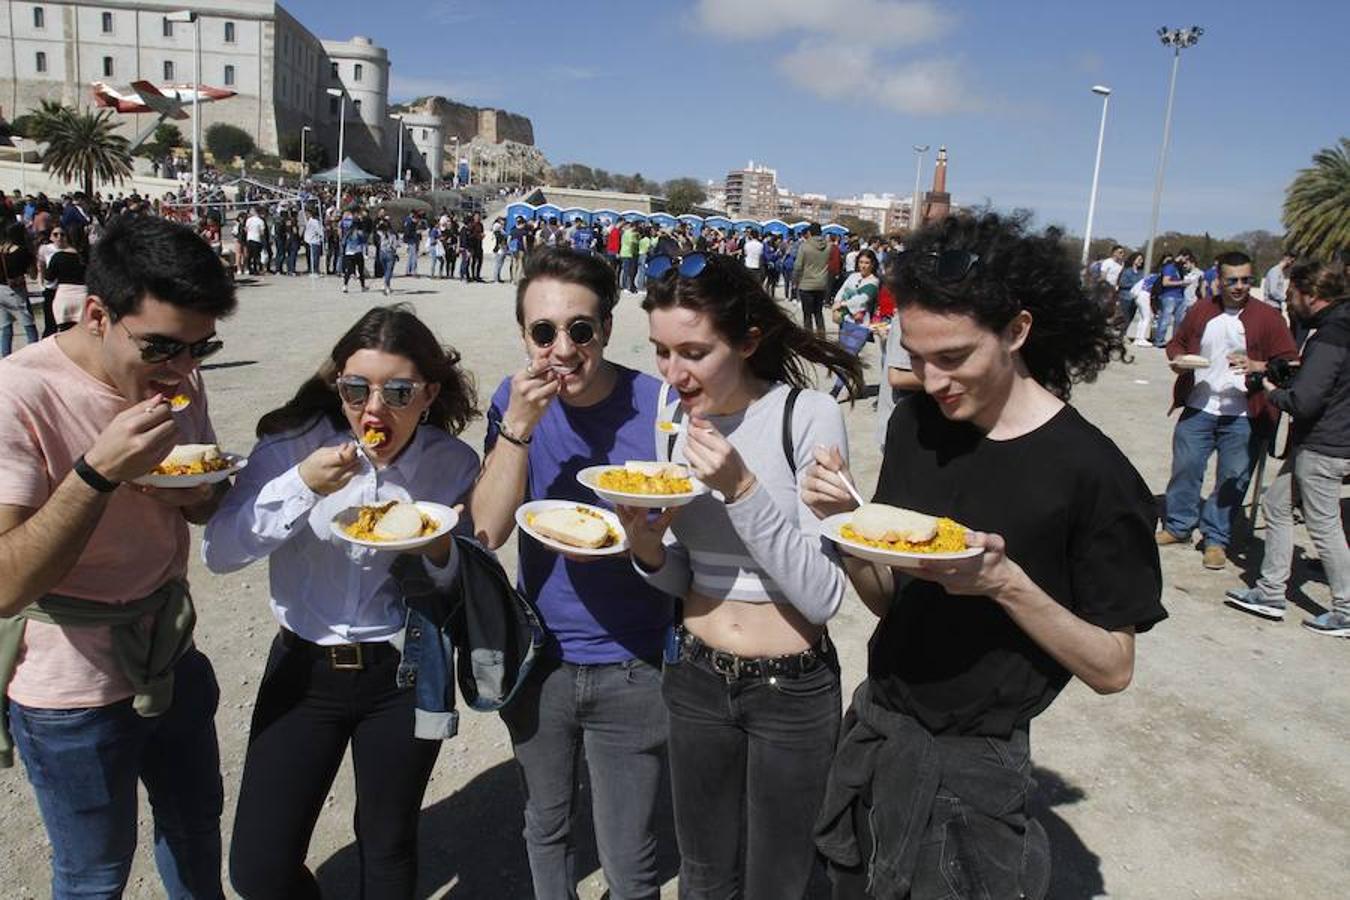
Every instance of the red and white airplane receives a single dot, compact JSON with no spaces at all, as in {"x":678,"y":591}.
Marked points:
{"x":167,"y":100}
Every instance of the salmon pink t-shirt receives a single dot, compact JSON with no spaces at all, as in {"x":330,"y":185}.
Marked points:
{"x":51,"y":411}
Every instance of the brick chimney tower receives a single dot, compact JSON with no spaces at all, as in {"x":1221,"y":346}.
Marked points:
{"x":938,"y":203}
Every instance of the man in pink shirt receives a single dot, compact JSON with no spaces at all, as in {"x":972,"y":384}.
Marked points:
{"x":100,"y":679}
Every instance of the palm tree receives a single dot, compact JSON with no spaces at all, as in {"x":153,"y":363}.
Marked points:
{"x":81,"y":144}
{"x":1317,"y":204}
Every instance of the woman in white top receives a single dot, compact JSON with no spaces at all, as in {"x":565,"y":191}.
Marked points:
{"x":330,"y":676}
{"x":752,"y":681}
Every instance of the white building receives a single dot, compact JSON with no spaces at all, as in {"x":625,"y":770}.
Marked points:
{"x":423,"y":144}
{"x":280,"y":70}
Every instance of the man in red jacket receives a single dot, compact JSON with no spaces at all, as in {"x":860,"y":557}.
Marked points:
{"x":1236,"y":336}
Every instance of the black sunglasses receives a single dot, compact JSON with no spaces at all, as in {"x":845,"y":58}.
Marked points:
{"x":946,"y":267}
{"x":1239,"y":279}
{"x":396,"y":392}
{"x":688,"y":266}
{"x":155,"y":349}
{"x":581,"y":332}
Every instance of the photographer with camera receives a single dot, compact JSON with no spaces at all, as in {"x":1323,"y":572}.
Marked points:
{"x":1236,"y":338}
{"x":1317,"y":398}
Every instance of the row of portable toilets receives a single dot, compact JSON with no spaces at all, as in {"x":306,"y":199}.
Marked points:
{"x":545,"y":211}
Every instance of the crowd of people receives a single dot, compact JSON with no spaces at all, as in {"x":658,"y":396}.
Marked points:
{"x":703,"y":652}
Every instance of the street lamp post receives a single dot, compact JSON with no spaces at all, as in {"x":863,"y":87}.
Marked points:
{"x":304,"y":160}
{"x":184,"y":15}
{"x":342,"y":139}
{"x":454,"y":164}
{"x":1178,"y":39}
{"x":1105,"y":93}
{"x":398,"y":169}
{"x":914,"y":214}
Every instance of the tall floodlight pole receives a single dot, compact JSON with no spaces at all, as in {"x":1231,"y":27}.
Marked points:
{"x":184,"y":15}
{"x":1178,"y":39}
{"x":342,"y":139}
{"x":398,"y":169}
{"x":1105,"y":93}
{"x":304,"y":164}
{"x":914,"y":215}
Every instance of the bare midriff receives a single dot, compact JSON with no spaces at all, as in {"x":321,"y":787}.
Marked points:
{"x":749,"y":629}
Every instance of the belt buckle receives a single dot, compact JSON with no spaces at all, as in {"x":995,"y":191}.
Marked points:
{"x":346,"y":657}
{"x":728,"y":665}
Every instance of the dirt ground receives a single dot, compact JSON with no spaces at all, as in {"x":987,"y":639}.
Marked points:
{"x":1214,"y":775}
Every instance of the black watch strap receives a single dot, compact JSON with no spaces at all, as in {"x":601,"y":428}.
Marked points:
{"x":93,"y":478}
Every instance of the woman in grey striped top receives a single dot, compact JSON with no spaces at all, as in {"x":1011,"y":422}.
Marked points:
{"x":751,"y":682}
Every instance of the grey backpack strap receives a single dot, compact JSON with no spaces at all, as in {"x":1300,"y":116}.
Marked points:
{"x":788,"y":450}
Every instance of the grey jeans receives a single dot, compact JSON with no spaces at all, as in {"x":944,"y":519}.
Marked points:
{"x":614,"y":713}
{"x":1319,"y":486}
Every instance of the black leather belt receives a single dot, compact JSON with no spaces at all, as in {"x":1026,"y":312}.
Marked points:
{"x":340,"y":657}
{"x":733,"y":667}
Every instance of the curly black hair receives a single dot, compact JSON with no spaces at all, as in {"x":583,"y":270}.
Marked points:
{"x":1071,"y":339}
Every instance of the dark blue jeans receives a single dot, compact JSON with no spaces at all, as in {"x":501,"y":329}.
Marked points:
{"x":614,"y":713}
{"x":748,"y":763}
{"x":1198,"y":435}
{"x":84,"y":765}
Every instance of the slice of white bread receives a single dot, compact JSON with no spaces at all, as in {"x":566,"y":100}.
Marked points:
{"x":570,"y":526}
{"x":656,"y":469}
{"x":187,"y":454}
{"x":400,"y":522}
{"x":879,"y":522}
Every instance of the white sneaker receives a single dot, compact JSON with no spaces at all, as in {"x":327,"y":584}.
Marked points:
{"x":344,"y":289}
{"x":1138,"y":343}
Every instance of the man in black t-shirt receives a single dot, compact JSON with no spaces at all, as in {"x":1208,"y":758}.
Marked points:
{"x":932,"y":775}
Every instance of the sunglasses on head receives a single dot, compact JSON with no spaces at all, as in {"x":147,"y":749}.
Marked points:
{"x":1239,"y":279}
{"x":580,"y":331}
{"x":156,"y":349}
{"x":945,"y":267}
{"x":688,"y":266}
{"x":396,"y":392}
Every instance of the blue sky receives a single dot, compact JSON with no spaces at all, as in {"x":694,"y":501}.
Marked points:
{"x":833,"y":93}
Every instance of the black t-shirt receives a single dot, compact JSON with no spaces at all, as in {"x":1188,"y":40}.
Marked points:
{"x":1077,"y":518}
{"x":65,"y":267}
{"x":16,"y":264}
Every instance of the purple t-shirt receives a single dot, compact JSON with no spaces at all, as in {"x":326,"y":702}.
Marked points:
{"x":601,"y":611}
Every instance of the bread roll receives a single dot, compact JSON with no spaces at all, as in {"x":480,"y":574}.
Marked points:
{"x":879,"y":522}
{"x":400,"y":522}
{"x":188,"y":454}
{"x":570,"y":526}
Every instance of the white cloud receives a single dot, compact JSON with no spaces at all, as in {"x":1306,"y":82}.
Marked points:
{"x":849,"y":50}
{"x":918,"y":87}
{"x":450,"y":12}
{"x":871,"y":21}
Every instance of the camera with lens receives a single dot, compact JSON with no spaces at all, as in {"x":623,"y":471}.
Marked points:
{"x":1279,"y":372}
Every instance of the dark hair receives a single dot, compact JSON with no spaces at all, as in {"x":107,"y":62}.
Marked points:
{"x":16,"y":234}
{"x":1071,"y":338}
{"x":730,"y":294}
{"x":814,"y":228}
{"x":1133,"y":256}
{"x":1115,"y":247}
{"x":570,"y":267}
{"x":1235,"y":258}
{"x":142,"y":256}
{"x":389,"y":329}
{"x":1325,"y":281}
{"x":867,"y":251}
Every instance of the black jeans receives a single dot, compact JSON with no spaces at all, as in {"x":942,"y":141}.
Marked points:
{"x":983,"y":848}
{"x":813,"y":310}
{"x":306,"y":715}
{"x":748,"y":763}
{"x":354,"y":264}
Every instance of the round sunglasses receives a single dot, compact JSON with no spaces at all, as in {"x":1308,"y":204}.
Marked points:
{"x":580,"y":331}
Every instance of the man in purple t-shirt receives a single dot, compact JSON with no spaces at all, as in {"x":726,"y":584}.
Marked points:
{"x":599,"y":682}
